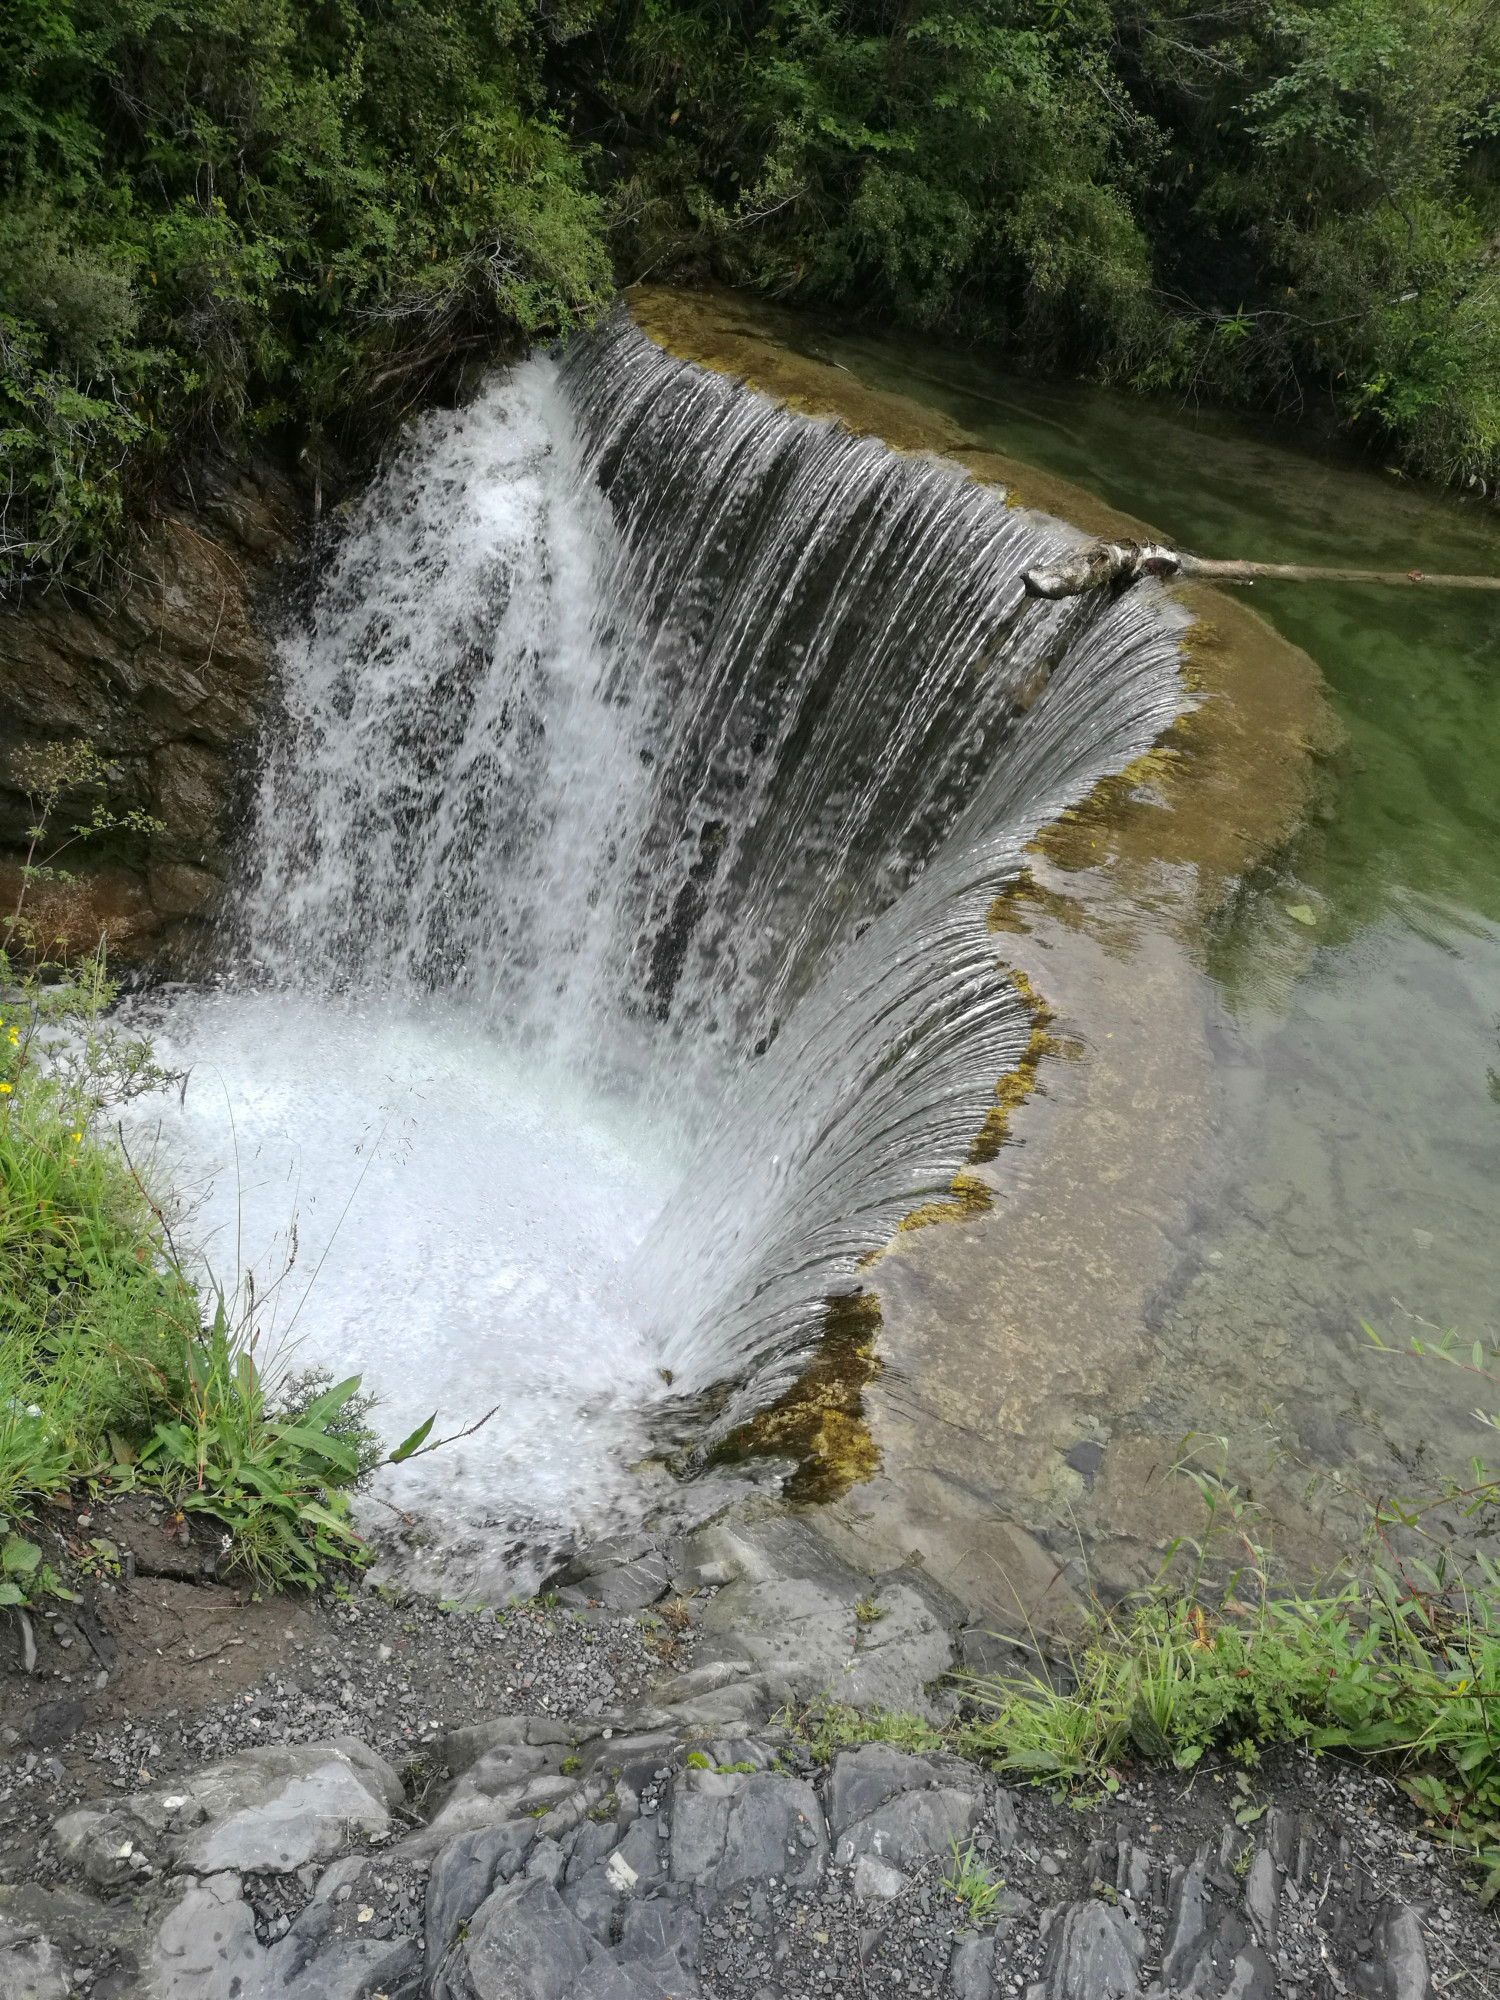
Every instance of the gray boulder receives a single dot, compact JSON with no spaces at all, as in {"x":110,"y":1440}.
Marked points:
{"x":550,"y":1739}
{"x":1406,"y":1972}
{"x":43,"y":1932}
{"x":797,"y":1631}
{"x":775,"y":1828}
{"x":876,"y":1881}
{"x":898,"y":1654}
{"x":607,"y":1979}
{"x":1094,"y":1952}
{"x":862,"y":1779}
{"x":624,"y":1587}
{"x":524,"y":1943}
{"x":281,"y":1807}
{"x":729,"y":1829}
{"x":106,"y":1845}
{"x":639,"y":1864}
{"x":465,"y":1872}
{"x":658,"y":1928}
{"x":1187,"y":1922}
{"x":31,"y":1965}
{"x":489,"y":1794}
{"x":593,"y":1899}
{"x":912,"y":1828}
{"x":971,"y":1968}
{"x":206,"y":1949}
{"x":273,"y":1809}
{"x":623,"y":1573}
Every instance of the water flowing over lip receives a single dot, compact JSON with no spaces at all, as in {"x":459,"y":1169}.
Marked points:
{"x":613,"y":941}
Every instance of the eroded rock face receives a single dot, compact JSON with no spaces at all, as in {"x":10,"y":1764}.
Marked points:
{"x":165,"y":678}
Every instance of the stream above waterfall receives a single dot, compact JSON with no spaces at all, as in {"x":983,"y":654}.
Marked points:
{"x":1352,"y":1001}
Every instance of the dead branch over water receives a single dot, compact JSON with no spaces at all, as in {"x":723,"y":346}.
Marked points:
{"x":1102,"y":565}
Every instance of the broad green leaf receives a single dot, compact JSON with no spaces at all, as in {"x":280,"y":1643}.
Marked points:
{"x":318,"y":1442}
{"x":418,"y":1437}
{"x":19,"y":1558}
{"x":311,"y":1511}
{"x":322,"y":1408}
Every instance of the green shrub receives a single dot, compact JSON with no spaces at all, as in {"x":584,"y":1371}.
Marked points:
{"x":221,"y":217}
{"x":1293,"y":206}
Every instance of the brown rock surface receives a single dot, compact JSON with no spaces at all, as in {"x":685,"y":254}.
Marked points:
{"x":164,"y":677}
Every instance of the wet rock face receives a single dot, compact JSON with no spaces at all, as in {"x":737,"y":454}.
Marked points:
{"x":165,"y":677}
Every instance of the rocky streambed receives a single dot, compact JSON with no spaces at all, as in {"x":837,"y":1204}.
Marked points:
{"x":621,"y":1791}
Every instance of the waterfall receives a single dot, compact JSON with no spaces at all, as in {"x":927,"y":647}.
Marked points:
{"x":617,"y":902}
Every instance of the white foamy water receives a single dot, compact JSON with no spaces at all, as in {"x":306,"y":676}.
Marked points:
{"x":616,"y":910}
{"x":411,"y":1203}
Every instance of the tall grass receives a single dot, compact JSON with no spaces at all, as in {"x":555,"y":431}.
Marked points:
{"x":110,"y":1368}
{"x":97,"y":1324}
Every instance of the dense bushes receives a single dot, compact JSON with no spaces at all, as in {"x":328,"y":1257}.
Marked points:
{"x":1292,"y":205}
{"x":220,"y":218}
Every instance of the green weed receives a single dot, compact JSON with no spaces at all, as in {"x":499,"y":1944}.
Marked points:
{"x":274,"y":1485}
{"x":107,"y":1370}
{"x":828,"y":1725}
{"x":1400,"y":1662}
{"x":971,"y":1884}
{"x":24,"y":1577}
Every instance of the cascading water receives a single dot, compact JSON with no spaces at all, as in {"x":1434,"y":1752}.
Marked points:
{"x":615,"y":972}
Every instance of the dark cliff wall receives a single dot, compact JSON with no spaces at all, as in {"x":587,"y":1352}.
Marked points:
{"x":166,"y":678}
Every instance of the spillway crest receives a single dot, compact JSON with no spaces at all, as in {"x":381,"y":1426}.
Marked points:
{"x":614,"y":972}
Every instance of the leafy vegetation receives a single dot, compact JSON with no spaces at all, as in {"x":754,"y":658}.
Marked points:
{"x":1399,"y":1662}
{"x":108,"y":1372}
{"x":970,"y":1883}
{"x":1293,"y":205}
{"x":221,"y":218}
{"x":224,"y":221}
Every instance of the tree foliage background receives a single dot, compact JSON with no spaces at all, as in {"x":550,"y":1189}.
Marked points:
{"x":229,"y":218}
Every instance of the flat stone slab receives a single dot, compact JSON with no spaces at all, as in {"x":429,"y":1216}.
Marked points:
{"x":730,"y":1830}
{"x":862,"y":1779}
{"x":206,"y":1949}
{"x":273,"y":1809}
{"x":912,"y":1828}
{"x":524,"y":1943}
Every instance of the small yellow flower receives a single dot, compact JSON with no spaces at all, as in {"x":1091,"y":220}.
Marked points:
{"x":4,"y":1089}
{"x":15,"y":1036}
{"x":78,"y":1136}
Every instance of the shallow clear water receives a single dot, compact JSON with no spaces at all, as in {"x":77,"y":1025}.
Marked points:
{"x":1360,"y":1054}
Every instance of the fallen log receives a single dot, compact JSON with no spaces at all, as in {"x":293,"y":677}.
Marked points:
{"x":1103,"y":565}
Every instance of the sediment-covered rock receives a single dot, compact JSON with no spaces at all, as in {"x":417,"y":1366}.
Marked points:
{"x":642,"y":1854}
{"x":667,"y":1863}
